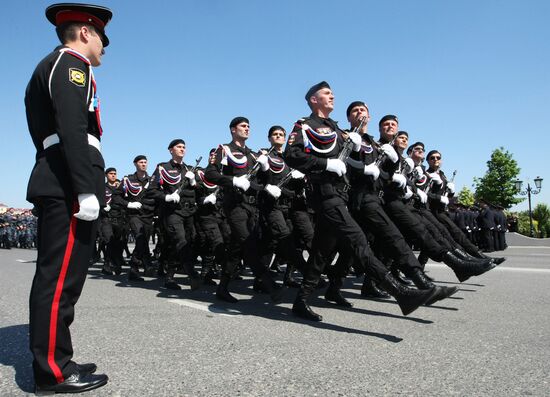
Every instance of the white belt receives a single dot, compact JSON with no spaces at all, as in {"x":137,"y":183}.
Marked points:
{"x":54,"y":140}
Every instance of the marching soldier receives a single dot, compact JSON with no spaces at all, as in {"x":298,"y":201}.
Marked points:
{"x":233,"y":170}
{"x":67,"y":188}
{"x":132,"y":196}
{"x":173,"y":186}
{"x":313,"y":148}
{"x":111,"y":225}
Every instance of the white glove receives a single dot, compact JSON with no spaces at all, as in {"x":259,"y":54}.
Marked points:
{"x":436,"y":178}
{"x":356,"y":139}
{"x":419,"y":170}
{"x":422,"y":196}
{"x":451,"y":187}
{"x":408,"y":193}
{"x":191,"y":176}
{"x":409,"y":165}
{"x":390,"y":152}
{"x":444,"y":200}
{"x":399,"y":179}
{"x":337,"y":166}
{"x":296,"y":174}
{"x":134,"y":205}
{"x":241,"y":182}
{"x":107,"y":208}
{"x":210,"y":199}
{"x":264,"y":163}
{"x":372,"y":170}
{"x":273,"y":190}
{"x":172,"y":198}
{"x":89,"y":207}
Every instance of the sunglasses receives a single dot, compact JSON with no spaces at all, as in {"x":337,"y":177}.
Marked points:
{"x":418,"y":149}
{"x":435,"y":158}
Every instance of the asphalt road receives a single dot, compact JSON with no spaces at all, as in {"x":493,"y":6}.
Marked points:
{"x":491,"y":339}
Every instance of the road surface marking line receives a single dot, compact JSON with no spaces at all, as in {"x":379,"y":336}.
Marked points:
{"x":205,"y":308}
{"x":504,"y":268}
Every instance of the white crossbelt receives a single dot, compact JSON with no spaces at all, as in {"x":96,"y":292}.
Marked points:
{"x":54,"y":140}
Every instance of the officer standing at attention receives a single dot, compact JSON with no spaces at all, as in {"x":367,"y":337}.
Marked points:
{"x":66,"y":187}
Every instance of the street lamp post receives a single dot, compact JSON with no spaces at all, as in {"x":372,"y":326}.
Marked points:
{"x":528,"y":191}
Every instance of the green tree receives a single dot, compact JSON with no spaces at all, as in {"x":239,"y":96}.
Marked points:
{"x":497,"y":185}
{"x":541,"y":214}
{"x":466,"y":197}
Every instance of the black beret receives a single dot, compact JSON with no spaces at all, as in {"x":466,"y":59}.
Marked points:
{"x":431,"y":152}
{"x":386,"y":118}
{"x":140,"y":157}
{"x":410,"y":149}
{"x":354,"y":104}
{"x":275,"y":128}
{"x":175,"y":142}
{"x":315,"y":88}
{"x":402,"y":133}
{"x":238,"y":120}
{"x":212,"y":150}
{"x":110,"y":169}
{"x":97,"y":16}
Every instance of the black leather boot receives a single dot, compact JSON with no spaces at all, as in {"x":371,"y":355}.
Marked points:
{"x":169,"y":281}
{"x":275,"y":291}
{"x":423,"y":282}
{"x":371,"y":290}
{"x":207,"y":274}
{"x":222,"y":293}
{"x":106,"y":269}
{"x":288,"y":280}
{"x":465,"y":269}
{"x":300,"y":308}
{"x":396,"y":274}
{"x":133,"y":274}
{"x":334,"y":293}
{"x":409,"y":299}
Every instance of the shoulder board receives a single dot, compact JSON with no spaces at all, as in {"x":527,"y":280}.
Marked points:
{"x":76,"y":55}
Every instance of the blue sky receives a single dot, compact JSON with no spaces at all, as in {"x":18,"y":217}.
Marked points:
{"x":464,"y":77}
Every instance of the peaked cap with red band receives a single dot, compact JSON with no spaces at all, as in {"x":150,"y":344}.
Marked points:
{"x":97,"y":16}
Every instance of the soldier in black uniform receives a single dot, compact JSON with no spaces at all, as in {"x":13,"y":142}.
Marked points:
{"x":67,"y":188}
{"x":132,"y":196}
{"x":274,"y":204}
{"x":210,"y":224}
{"x":438,"y":200}
{"x":112,"y":227}
{"x":313,"y":148}
{"x":173,"y":187}
{"x":232,"y":170}
{"x":373,"y":168}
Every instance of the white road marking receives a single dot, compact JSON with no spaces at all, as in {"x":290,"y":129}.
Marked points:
{"x":205,"y":308}
{"x":503,"y":268}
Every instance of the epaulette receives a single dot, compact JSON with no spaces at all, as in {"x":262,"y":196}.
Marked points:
{"x":76,"y":55}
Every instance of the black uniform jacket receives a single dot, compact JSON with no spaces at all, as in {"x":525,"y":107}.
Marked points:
{"x":135,"y":189}
{"x":61,"y":99}
{"x":232,"y":160}
{"x":168,"y":178}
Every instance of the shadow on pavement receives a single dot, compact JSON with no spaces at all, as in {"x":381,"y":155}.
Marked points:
{"x":257,"y":305}
{"x":14,"y":352}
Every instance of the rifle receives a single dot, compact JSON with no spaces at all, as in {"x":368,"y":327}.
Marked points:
{"x":197,"y":162}
{"x":382,"y":156}
{"x":254,"y":170}
{"x":285,"y":179}
{"x":452,"y":180}
{"x":348,"y":147}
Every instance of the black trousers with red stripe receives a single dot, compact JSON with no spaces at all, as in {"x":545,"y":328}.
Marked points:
{"x":65,"y":246}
